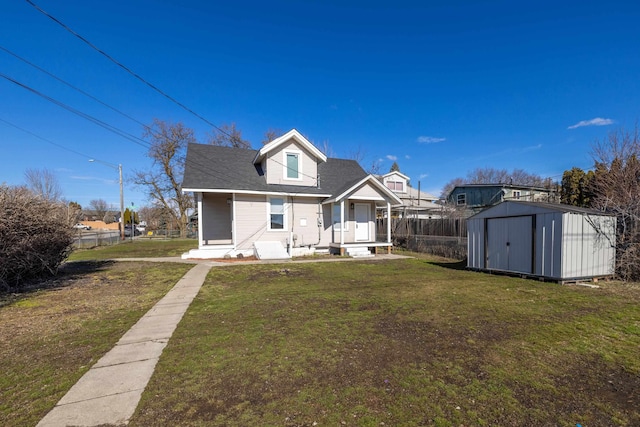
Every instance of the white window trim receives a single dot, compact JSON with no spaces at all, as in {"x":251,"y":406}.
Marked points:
{"x":284,"y":165}
{"x":396,"y":181}
{"x":336,"y":224}
{"x":464,"y":195}
{"x":284,"y":214}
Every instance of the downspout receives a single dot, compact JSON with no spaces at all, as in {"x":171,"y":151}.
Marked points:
{"x":388,"y":222}
{"x":319,"y":221}
{"x":293,"y":220}
{"x":342,"y":222}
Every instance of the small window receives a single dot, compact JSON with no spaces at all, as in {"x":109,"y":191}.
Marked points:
{"x":462,"y":199}
{"x":276,"y":214}
{"x":516,"y":195}
{"x":395,"y":185}
{"x":292,"y":166}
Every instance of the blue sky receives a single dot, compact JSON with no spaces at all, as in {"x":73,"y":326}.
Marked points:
{"x":440,"y":87}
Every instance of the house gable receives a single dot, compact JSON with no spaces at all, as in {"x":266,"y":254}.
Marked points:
{"x":290,"y":160}
{"x":396,"y":181}
{"x":368,"y":188}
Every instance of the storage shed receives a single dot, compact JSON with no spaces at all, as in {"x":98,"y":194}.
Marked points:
{"x":551,"y":241}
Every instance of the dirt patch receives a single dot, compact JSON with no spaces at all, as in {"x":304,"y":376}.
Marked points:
{"x":588,"y":385}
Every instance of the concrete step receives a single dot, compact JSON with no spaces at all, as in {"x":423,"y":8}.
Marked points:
{"x":359,"y":252}
{"x":270,"y":250}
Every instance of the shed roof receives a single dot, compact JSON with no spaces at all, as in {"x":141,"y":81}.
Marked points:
{"x":515,"y":208}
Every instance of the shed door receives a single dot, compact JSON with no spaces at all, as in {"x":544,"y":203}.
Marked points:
{"x":509,"y":244}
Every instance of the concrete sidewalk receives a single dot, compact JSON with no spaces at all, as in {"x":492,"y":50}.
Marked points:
{"x":110,"y":391}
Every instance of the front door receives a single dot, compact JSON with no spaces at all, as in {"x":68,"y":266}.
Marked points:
{"x":362,"y":222}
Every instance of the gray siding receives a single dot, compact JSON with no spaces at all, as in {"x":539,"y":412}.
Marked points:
{"x":275,"y":166}
{"x":251,"y":217}
{"x":216,"y":217}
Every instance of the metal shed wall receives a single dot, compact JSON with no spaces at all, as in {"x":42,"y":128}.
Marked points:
{"x":475,"y":244}
{"x":549,"y":244}
{"x":538,"y":239}
{"x":585,"y":252}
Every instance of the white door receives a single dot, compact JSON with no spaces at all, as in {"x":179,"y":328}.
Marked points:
{"x":509,"y":244}
{"x":362,"y":222}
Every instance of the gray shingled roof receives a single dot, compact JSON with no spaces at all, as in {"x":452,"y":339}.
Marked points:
{"x":227,"y":168}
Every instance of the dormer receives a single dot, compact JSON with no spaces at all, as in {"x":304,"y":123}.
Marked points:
{"x":290,"y":160}
{"x":396,"y":181}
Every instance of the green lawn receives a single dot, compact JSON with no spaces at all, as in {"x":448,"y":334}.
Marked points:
{"x":49,"y":338}
{"x":397,"y":343}
{"x":138,"y":248}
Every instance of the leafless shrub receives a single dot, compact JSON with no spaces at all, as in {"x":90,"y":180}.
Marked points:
{"x":35,"y":237}
{"x":616,"y":188}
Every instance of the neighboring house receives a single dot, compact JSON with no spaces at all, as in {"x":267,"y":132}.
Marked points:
{"x":551,"y":241}
{"x":286,"y":196}
{"x":415,"y":203}
{"x":475,"y":197}
{"x":92,"y":215}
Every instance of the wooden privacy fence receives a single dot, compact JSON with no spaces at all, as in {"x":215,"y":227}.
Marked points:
{"x":445,"y":237}
{"x":403,"y":227}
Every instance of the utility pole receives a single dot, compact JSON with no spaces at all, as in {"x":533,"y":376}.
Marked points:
{"x":121,"y":204}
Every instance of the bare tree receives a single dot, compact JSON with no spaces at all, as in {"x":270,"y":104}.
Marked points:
{"x":374,"y":168}
{"x":270,"y":135}
{"x":100,"y":207}
{"x":74,"y":212}
{"x":326,"y":148}
{"x":449,"y":186}
{"x":228,"y":136}
{"x":616,"y":190}
{"x":168,"y":148}
{"x":44,"y":183}
{"x":359,"y":154}
{"x":153,"y":216}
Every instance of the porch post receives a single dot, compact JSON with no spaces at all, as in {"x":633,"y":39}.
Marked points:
{"x":233,"y":220}
{"x":342,"y":222}
{"x":388,"y":222}
{"x":200,"y":235}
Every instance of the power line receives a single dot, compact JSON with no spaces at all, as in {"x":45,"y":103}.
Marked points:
{"x":86,"y":116}
{"x":124,"y":67}
{"x":15,"y":55}
{"x":46,"y":140}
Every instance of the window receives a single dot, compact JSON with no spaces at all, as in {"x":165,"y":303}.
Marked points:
{"x":462,"y":199}
{"x":516,"y":195}
{"x":395,"y":185}
{"x":276,"y":214}
{"x":292,"y":165}
{"x":336,"y":217}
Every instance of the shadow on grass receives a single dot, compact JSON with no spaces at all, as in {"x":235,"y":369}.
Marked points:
{"x":453,"y":265}
{"x":67,"y":275}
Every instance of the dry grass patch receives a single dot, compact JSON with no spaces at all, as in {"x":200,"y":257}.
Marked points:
{"x":50,"y":337}
{"x":405,"y":342}
{"x":138,"y":248}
